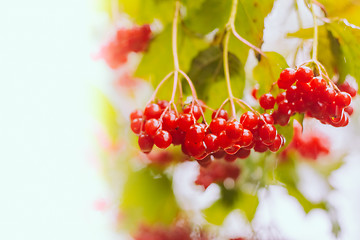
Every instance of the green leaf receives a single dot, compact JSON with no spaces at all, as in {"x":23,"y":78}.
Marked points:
{"x":268,"y":70}
{"x":146,"y":11}
{"x":348,"y":9}
{"x":213,"y":14}
{"x":348,"y":37}
{"x":148,"y":198}
{"x":250,"y":16}
{"x":230,"y":200}
{"x":207,"y":74}
{"x":248,"y":204}
{"x":157,"y":62}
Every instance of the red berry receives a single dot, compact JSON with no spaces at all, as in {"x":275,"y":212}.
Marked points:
{"x":260,"y":147}
{"x":152,"y":110}
{"x":185,"y":121}
{"x":276,"y":144}
{"x":195,"y":110}
{"x":280,"y":118}
{"x":267,"y":118}
{"x":246,"y":139}
{"x":217,"y":125}
{"x":287,"y":78}
{"x":220,"y":114}
{"x":219,"y":154}
{"x":267,"y":101}
{"x":230,"y":158}
{"x":170,"y":120}
{"x":224,"y":140}
{"x":342,"y":99}
{"x":151,"y":126}
{"x":211,"y":142}
{"x":194,"y":148}
{"x":349,"y":110}
{"x":196,"y":133}
{"x":136,"y":125}
{"x":292,"y":94}
{"x":284,"y":108}
{"x":281,"y":97}
{"x":328,"y":95}
{"x":243,"y":153}
{"x":304,"y":74}
{"x":249,"y":120}
{"x":162,"y":139}
{"x":267,"y":134}
{"x":318,"y":84}
{"x":163,"y":104}
{"x":136,"y":114}
{"x":145,"y":142}
{"x":254,"y":92}
{"x":345,"y":87}
{"x":234,"y":130}
{"x":178,"y":136}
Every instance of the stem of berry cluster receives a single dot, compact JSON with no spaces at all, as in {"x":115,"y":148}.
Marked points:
{"x":315,"y":43}
{"x":231,"y":23}
{"x":174,"y":49}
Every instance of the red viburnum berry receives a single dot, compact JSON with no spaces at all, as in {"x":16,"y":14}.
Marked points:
{"x":234,"y":130}
{"x":136,"y":125}
{"x":145,"y":142}
{"x":217,"y":125}
{"x":249,"y":120}
{"x":136,"y":114}
{"x":267,"y":134}
{"x":195,"y":133}
{"x":343,"y":99}
{"x":152,"y":110}
{"x":185,"y":121}
{"x":220,"y":114}
{"x":304,"y":74}
{"x":212,"y":143}
{"x":151,"y":126}
{"x":267,"y":101}
{"x":287,"y":78}
{"x":162,"y":139}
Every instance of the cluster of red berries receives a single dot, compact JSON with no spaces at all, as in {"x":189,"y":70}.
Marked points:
{"x":216,"y":172}
{"x":309,"y":146}
{"x":135,"y":39}
{"x":223,"y":138}
{"x":305,"y":93}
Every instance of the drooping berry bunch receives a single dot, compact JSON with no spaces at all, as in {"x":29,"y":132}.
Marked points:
{"x":223,"y":138}
{"x":217,"y":172}
{"x":134,"y":39}
{"x":160,"y":125}
{"x":309,"y":146}
{"x":307,"y":94}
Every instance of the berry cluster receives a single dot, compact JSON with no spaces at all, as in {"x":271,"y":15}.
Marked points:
{"x":305,"y":93}
{"x":307,"y":145}
{"x":135,"y":39}
{"x":217,"y":171}
{"x":223,"y":138}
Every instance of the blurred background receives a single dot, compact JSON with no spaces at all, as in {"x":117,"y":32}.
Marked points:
{"x":51,"y":187}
